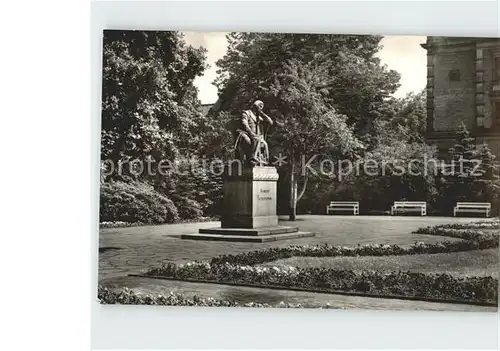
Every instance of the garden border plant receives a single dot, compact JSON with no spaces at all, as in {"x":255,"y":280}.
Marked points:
{"x":243,"y":269}
{"x":410,"y":285}
{"x":326,"y":250}
{"x":120,"y":224}
{"x":472,"y":240}
{"x":491,"y":224}
{"x":129,"y":297}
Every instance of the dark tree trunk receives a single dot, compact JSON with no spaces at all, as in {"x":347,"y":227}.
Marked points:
{"x":293,"y":194}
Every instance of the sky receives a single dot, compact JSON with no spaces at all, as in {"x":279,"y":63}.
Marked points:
{"x":400,"y":53}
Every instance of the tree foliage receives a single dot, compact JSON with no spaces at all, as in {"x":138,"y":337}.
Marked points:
{"x":411,"y":113}
{"x":149,"y":102}
{"x":472,"y":173}
{"x":151,"y":113}
{"x":406,"y":169}
{"x":135,"y":202}
{"x":354,"y":81}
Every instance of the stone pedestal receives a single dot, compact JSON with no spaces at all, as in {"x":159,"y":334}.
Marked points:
{"x":250,"y":199}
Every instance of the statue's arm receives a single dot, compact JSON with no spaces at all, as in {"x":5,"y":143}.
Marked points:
{"x":266,"y":118}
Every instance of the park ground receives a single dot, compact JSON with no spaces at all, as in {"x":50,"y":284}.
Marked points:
{"x":132,"y":250}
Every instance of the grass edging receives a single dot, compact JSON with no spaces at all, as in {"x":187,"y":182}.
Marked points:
{"x":321,"y":291}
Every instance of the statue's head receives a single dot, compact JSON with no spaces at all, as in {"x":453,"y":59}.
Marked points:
{"x":258,"y":105}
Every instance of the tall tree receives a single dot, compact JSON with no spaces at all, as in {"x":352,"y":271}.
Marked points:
{"x":358,"y":84}
{"x":151,"y":113}
{"x":325,"y":91}
{"x":312,"y":133}
{"x":149,"y":102}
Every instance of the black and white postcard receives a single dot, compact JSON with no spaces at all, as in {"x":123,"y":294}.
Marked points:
{"x":285,"y":170}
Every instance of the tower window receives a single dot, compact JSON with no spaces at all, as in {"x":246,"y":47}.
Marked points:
{"x":454,"y":75}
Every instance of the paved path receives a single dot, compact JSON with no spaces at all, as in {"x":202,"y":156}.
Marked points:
{"x":132,"y":250}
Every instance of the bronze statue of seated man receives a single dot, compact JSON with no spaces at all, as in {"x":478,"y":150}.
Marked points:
{"x":250,"y":144}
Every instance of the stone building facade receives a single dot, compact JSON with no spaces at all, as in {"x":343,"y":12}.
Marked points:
{"x":463,"y":85}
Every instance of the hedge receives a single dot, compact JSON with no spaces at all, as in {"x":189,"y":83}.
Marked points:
{"x":187,"y":208}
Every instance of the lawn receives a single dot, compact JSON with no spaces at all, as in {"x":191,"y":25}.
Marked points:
{"x":467,"y":263}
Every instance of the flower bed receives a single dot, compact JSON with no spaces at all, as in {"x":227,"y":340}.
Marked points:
{"x":466,"y":234}
{"x":276,"y":253}
{"x":407,"y":284}
{"x":244,"y":269}
{"x":129,"y":297}
{"x":119,"y":224}
{"x":494,"y":224}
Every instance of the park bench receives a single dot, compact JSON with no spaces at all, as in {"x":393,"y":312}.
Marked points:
{"x":473,"y":207}
{"x":343,"y":206}
{"x":409,"y":206}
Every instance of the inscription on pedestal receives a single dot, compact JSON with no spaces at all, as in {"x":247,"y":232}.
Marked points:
{"x":264,"y":195}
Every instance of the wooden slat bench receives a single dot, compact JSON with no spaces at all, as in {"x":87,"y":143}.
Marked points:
{"x":409,"y":206}
{"x":343,"y":206}
{"x":473,"y":207}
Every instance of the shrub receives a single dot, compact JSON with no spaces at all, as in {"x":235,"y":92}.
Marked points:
{"x":470,"y":182}
{"x":135,"y":202}
{"x":187,"y":208}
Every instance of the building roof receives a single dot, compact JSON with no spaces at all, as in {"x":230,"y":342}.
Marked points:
{"x":205,"y":108}
{"x":211,"y":108}
{"x":435,"y":42}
